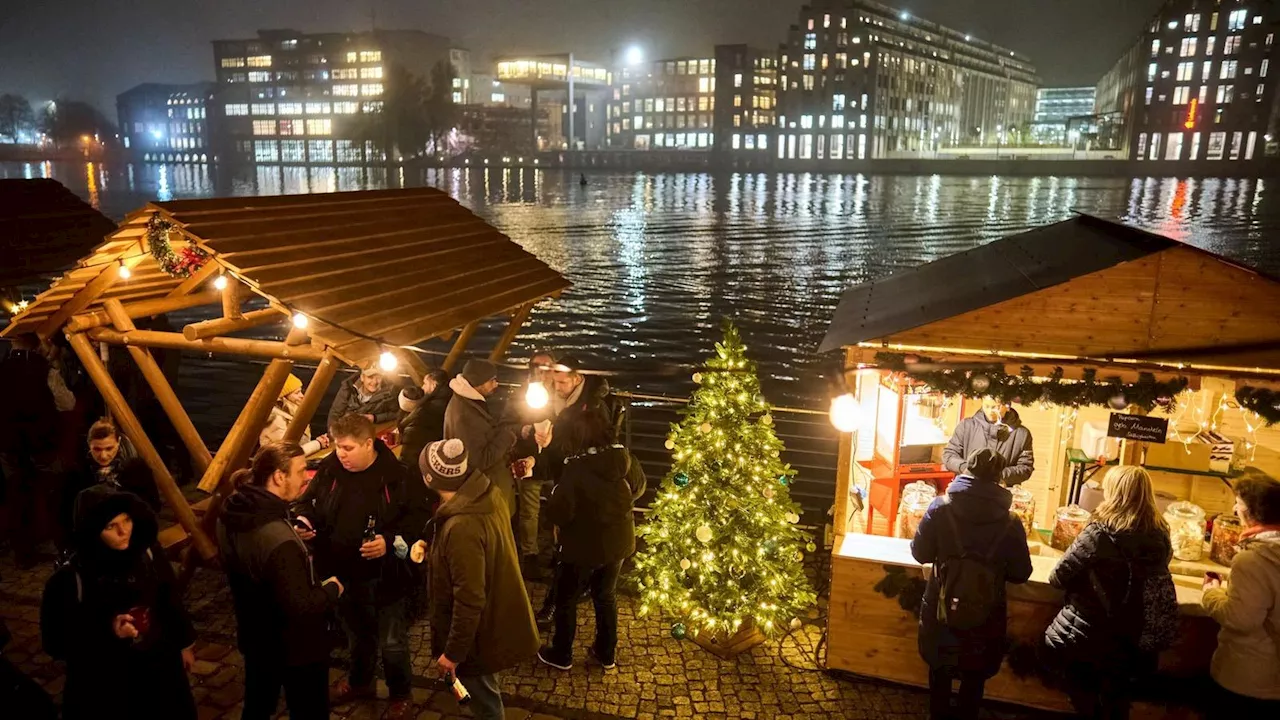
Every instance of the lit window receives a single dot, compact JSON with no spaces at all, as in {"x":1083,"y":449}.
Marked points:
{"x":318,"y":108}
{"x":842,"y":61}
{"x":826,"y":21}
{"x":233,"y":62}
{"x":1213,"y":22}
{"x":290,"y":108}
{"x":263,"y":109}
{"x":457,"y":97}
{"x":1149,"y":92}
{"x":1204,"y":94}
{"x":293,"y":150}
{"x":1151,"y":72}
{"x":837,"y":121}
{"x":1155,"y":48}
{"x":1185,"y":71}
{"x":1262,"y":71}
{"x":737,"y":141}
{"x":810,"y":41}
{"x":806,"y":121}
{"x":346,"y":90}
{"x":1192,"y":22}
{"x":259,"y":77}
{"x":1231,"y":46}
{"x":1209,"y":43}
{"x":320,"y":126}
{"x":345,"y":73}
{"x":370,"y":56}
{"x":320,"y":150}
{"x":637,"y":123}
{"x":1236,"y":20}
{"x":497,"y":97}
{"x":1181,"y":95}
{"x":1228,"y":70}
{"x":1188,"y":47}
{"x":737,"y":80}
{"x":1208,"y":70}
{"x":292,"y":127}
{"x":237,"y":109}
{"x":259,"y":61}
{"x":371,"y":73}
{"x":1258,"y":93}
{"x":264,"y":127}
{"x":837,"y":102}
{"x":704,"y":85}
{"x":809,"y":61}
{"x":737,"y":101}
{"x":266,"y":151}
{"x":1225,"y":93}
{"x":660,"y":105}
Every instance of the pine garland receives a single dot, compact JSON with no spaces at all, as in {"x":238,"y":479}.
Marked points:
{"x":177,"y":264}
{"x":1263,"y":401}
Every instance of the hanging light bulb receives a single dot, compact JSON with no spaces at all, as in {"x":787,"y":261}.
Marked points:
{"x":125,"y":272}
{"x":220,"y":283}
{"x":537,"y":396}
{"x":300,"y":321}
{"x":845,"y":412}
{"x":387,"y":361}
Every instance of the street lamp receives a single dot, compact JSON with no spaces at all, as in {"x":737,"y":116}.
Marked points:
{"x":635,"y":55}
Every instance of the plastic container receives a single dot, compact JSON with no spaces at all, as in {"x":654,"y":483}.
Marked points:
{"x":916,"y":498}
{"x":1186,"y":530}
{"x":1226,"y":534}
{"x":1071,"y":520}
{"x":1024,"y":506}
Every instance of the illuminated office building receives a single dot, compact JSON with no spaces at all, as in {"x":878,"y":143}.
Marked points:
{"x":167,"y":123}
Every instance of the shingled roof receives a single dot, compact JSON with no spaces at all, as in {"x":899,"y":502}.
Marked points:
{"x":44,"y":229}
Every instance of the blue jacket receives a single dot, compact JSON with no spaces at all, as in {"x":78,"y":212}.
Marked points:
{"x":982,"y":513}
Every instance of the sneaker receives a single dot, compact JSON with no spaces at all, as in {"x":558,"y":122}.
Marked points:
{"x":342,"y":693}
{"x":399,"y":709}
{"x":546,"y":616}
{"x":592,"y":656}
{"x":546,"y":657}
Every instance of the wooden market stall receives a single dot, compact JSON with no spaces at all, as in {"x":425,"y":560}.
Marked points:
{"x":361,"y":274}
{"x":1088,"y":317}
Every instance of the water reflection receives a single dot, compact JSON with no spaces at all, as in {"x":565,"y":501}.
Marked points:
{"x":657,"y":259}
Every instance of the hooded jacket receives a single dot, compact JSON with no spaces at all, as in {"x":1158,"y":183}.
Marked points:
{"x":383,"y":405}
{"x":128,"y":474}
{"x":1247,"y":661}
{"x":489,"y":442}
{"x":107,"y":675}
{"x":339,"y":503}
{"x":280,"y":605}
{"x":1120,"y":561}
{"x":1009,"y":438}
{"x":981,"y":511}
{"x":480,"y":613}
{"x":592,"y":506}
{"x":423,"y":426}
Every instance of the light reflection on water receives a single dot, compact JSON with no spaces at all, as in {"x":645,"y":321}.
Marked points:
{"x":658,"y":259}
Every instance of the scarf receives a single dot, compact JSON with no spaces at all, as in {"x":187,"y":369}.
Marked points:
{"x":1258,"y":530}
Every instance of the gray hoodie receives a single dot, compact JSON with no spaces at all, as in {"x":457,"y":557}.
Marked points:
{"x":1247,"y":661}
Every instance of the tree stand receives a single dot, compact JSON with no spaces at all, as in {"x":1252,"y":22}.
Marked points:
{"x":728,"y":646}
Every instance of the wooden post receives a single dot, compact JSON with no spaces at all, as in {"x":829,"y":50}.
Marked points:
{"x":223,"y":326}
{"x":460,"y":345}
{"x":509,"y":335}
{"x":231,"y":297}
{"x":320,"y":383}
{"x":1131,"y":450}
{"x":239,"y":442}
{"x":200,"y":456}
{"x":128,"y":422}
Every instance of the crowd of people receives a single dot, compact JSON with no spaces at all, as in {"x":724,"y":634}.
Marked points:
{"x":360,"y":538}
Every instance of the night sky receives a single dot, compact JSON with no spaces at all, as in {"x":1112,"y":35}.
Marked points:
{"x":95,"y":49}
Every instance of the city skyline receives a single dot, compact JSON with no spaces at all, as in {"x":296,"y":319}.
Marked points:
{"x":81,"y":50}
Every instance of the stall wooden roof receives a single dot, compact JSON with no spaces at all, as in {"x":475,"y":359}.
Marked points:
{"x":1083,"y":288}
{"x":401,"y":266}
{"x":44,"y":229}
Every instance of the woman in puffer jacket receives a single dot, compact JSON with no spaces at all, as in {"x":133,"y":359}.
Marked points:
{"x":1093,"y":638}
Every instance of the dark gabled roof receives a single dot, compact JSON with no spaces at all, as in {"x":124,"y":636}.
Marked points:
{"x":1001,"y":270}
{"x":44,"y":229}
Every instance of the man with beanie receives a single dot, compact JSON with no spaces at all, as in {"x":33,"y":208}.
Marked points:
{"x":422,"y":417}
{"x":469,"y":418}
{"x":481,"y":620}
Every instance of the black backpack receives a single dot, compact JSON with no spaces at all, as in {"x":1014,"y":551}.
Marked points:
{"x":969,"y":587}
{"x":1147,"y":613}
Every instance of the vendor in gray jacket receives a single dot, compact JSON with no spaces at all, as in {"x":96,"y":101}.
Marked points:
{"x":998,"y":427}
{"x":469,"y":418}
{"x":370,"y":395}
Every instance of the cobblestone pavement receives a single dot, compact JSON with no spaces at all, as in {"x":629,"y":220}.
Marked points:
{"x":656,"y":677}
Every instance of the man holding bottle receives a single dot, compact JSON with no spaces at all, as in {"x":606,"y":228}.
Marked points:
{"x":366,"y":514}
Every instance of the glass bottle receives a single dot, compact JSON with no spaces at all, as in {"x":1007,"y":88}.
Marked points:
{"x":1186,"y":529}
{"x":1071,"y":520}
{"x":1226,"y":534}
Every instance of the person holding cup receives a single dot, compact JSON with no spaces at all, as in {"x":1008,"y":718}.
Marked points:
{"x":112,"y":613}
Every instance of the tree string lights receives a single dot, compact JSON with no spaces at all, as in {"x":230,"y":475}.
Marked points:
{"x":722,"y":546}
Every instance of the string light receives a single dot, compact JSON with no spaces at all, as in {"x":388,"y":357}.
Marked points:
{"x":125,"y":272}
{"x":300,"y":321}
{"x":220,"y":283}
{"x":387,"y":361}
{"x":537,"y":397}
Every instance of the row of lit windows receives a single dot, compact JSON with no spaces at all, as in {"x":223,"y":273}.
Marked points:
{"x":310,"y":151}
{"x":367,"y":90}
{"x":1191,"y":45}
{"x":821,"y":147}
{"x":364,"y":73}
{"x":515,"y":69}
{"x":191,"y":113}
{"x":1225,"y":94}
{"x":749,"y":142}
{"x":706,"y":86}
{"x":184,"y":143}
{"x":1216,"y":148}
{"x":680,"y":104}
{"x":640,"y":122}
{"x":309,"y":108}
{"x":673,"y":140}
{"x":314,"y":126}
{"x":1235,"y":21}
{"x":183,"y":128}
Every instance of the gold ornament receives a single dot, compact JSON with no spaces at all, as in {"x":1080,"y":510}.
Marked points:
{"x":705,"y":427}
{"x":703,"y":533}
{"x":685,"y":564}
{"x":768,"y":492}
{"x":670,"y":444}
{"x":767,"y":419}
{"x":697,"y":378}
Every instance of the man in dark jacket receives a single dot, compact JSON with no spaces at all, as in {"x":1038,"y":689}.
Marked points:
{"x":575,"y":395}
{"x":281,"y":610}
{"x":972,"y":519}
{"x":995,"y":426}
{"x":422,"y":417}
{"x":107,"y":465}
{"x":469,"y":418}
{"x":369,"y":395}
{"x":481,"y":620}
{"x":29,"y":442}
{"x":361,"y":484}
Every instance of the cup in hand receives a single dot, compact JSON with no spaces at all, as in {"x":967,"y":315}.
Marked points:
{"x":141,"y":619}
{"x":542,"y":433}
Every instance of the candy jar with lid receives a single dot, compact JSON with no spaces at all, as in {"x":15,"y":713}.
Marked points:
{"x":1024,"y":506}
{"x":1071,"y":520}
{"x":916,"y":498}
{"x":1226,"y":534}
{"x":1186,"y":529}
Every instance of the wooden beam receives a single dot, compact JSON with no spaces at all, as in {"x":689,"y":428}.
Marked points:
{"x":198,"y":278}
{"x":132,"y":428}
{"x":414,"y":364}
{"x":232,"y":296}
{"x":509,"y":335}
{"x":224,"y":325}
{"x":460,"y":345}
{"x":312,"y":398}
{"x":235,"y":449}
{"x":143,"y":308}
{"x":84,"y":297}
{"x":230,"y":346}
{"x":200,"y":456}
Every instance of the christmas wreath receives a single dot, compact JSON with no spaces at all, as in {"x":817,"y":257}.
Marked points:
{"x":179,"y":264}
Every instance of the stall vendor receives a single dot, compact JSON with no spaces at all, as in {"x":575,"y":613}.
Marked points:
{"x":998,"y":427}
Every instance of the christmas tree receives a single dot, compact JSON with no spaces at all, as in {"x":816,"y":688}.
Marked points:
{"x":722,"y":547}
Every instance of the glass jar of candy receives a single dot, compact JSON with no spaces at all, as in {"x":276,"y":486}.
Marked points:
{"x":916,"y":498}
{"x":1226,"y":534}
{"x":1186,"y":530}
{"x":1071,"y":520}
{"x":1024,"y":506}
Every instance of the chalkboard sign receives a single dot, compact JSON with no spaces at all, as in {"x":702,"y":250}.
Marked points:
{"x":1143,"y":428}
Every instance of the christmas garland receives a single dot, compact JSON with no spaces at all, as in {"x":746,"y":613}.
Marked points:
{"x":1260,"y":400}
{"x":1025,"y":389}
{"x":177,"y":264}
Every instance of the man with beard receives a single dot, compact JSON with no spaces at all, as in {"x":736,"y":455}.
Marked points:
{"x":998,"y":427}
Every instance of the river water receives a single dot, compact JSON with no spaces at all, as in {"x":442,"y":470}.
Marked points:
{"x":657,"y":260}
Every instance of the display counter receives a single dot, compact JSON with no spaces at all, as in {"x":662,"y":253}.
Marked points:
{"x":871,"y":634}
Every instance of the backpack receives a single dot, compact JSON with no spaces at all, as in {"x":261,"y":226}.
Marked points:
{"x":1149,"y":616}
{"x":969,"y":588}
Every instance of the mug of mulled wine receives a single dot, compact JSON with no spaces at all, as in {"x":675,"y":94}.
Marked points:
{"x":141,"y":620}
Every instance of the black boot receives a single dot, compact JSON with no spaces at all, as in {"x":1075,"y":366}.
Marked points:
{"x":546,"y":617}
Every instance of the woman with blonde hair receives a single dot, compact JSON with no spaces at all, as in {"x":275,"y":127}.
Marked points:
{"x":282,"y":413}
{"x":1121,"y":609}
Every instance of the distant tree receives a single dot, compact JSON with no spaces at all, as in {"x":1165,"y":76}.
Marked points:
{"x":67,"y":122}
{"x":442,"y":111}
{"x":400,"y":129}
{"x":15,"y":116}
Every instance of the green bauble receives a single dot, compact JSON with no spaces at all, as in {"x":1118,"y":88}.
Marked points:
{"x":678,"y":631}
{"x":811,"y":547}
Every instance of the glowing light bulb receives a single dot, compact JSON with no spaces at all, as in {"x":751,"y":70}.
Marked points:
{"x":845,"y":413}
{"x":387,"y":361}
{"x":220,"y":283}
{"x":537,"y":396}
{"x":125,"y":272}
{"x":300,"y":321}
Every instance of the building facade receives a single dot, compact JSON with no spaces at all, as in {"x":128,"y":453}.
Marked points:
{"x":290,"y":97}
{"x":168,"y":123}
{"x":1197,"y":83}
{"x":860,"y":80}
{"x":746,"y":96}
{"x":664,"y":104}
{"x":1058,"y":111}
